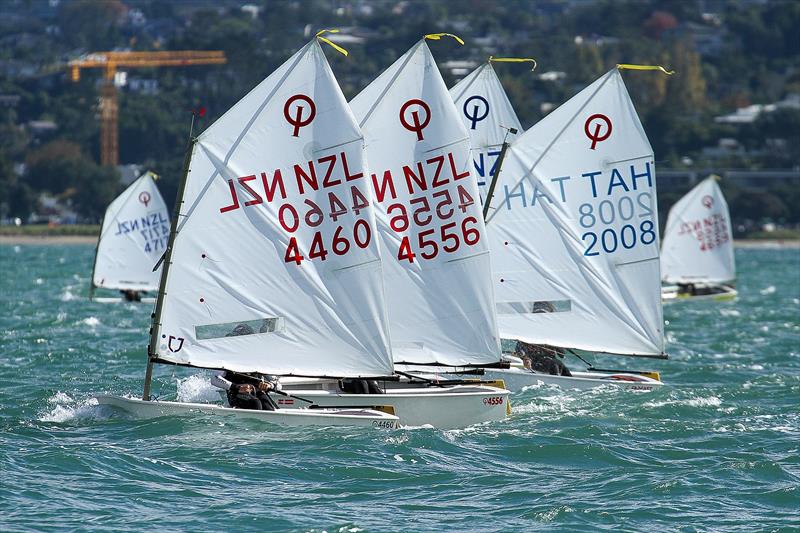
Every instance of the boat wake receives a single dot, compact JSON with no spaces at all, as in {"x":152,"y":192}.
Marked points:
{"x":197,"y":389}
{"x":66,"y":409}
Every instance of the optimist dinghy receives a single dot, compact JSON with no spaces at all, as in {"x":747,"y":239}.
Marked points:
{"x":436,"y":271}
{"x":697,"y":259}
{"x":573,"y":231}
{"x":133,"y":237}
{"x":259,"y":277}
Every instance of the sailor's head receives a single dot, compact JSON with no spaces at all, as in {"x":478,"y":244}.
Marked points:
{"x":241,"y":329}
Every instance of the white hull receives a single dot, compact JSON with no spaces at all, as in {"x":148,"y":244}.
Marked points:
{"x":285,"y":417}
{"x":517,"y":378}
{"x":670,"y":294}
{"x":117,"y":300}
{"x":441,"y":407}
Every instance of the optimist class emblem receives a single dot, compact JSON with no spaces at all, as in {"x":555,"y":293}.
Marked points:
{"x":708,"y":201}
{"x":476,"y":115}
{"x":595,"y":136}
{"x":297,"y":119}
{"x":144,"y":197}
{"x":415,"y":125}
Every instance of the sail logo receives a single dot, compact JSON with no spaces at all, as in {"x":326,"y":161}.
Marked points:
{"x":297,"y":119}
{"x":708,"y":201}
{"x":596,"y":121}
{"x":479,"y":112}
{"x":173,"y":338}
{"x":144,"y":198}
{"x":415,"y":125}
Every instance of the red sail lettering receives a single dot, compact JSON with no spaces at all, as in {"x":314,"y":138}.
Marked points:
{"x":418,"y":178}
{"x":300,"y":175}
{"x":235,"y":204}
{"x":257,"y":199}
{"x":439,"y":160}
{"x":455,"y":174}
{"x":380,"y":191}
{"x":347,"y":175}
{"x":326,"y":181}
{"x":277,"y":181}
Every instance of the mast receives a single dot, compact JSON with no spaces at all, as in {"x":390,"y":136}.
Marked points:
{"x":487,"y":203}
{"x":92,"y":286}
{"x":167,"y":260}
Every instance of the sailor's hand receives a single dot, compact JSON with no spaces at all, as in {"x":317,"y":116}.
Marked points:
{"x":265,"y":386}
{"x":246,"y":388}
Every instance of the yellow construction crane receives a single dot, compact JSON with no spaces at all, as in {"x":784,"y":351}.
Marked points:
{"x":109,"y":62}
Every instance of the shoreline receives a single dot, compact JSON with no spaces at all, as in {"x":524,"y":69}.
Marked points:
{"x":92,"y":239}
{"x":48,"y":239}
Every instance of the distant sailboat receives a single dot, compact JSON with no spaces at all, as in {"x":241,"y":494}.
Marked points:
{"x":133,"y":237}
{"x":573,"y":232}
{"x":272,"y":265}
{"x":697,"y":255}
{"x":433,"y":242}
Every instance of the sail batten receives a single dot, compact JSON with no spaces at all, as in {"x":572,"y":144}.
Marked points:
{"x":698,"y":239}
{"x":573,"y":229}
{"x":433,"y":241}
{"x":275,"y":266}
{"x":132,"y":239}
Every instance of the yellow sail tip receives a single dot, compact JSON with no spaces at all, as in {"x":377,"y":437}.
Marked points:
{"x":438,"y":36}
{"x":626,"y":66}
{"x":493,"y":59}
{"x":333,"y":45}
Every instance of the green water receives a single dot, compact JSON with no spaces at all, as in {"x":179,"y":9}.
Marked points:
{"x":719,"y":449}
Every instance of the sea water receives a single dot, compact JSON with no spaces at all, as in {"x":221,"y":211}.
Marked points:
{"x":716,"y":449}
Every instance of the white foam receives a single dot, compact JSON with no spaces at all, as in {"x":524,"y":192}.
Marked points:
{"x":730,"y":312}
{"x":91,"y":321}
{"x":769,"y":290}
{"x":67,"y":296}
{"x":197,"y":389}
{"x":39,"y":281}
{"x":710,"y":401}
{"x":66,"y":409}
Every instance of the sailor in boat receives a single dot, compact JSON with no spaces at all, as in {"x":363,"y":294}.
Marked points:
{"x":247,"y":391}
{"x":541,"y":357}
{"x":131,"y":295}
{"x":359,"y":386}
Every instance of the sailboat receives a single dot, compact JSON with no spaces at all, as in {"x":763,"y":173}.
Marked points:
{"x":697,"y":258}
{"x":435,"y":252}
{"x":272,"y":265}
{"x":573,"y":232}
{"x":133,"y":237}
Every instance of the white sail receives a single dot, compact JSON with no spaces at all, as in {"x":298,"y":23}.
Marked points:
{"x":133,"y":238}
{"x":436,"y":257}
{"x":573,"y":228}
{"x":275,"y":266}
{"x":698,"y":240}
{"x":488,"y":115}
